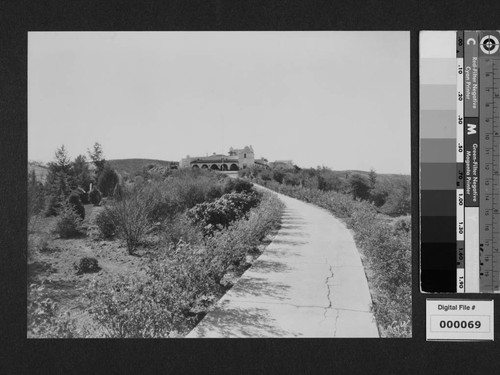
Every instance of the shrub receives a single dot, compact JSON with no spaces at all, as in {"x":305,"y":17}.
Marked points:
{"x":76,"y":204}
{"x":360,"y":186}
{"x":278,"y":175}
{"x":87,"y":265}
{"x":402,"y":224}
{"x":291,"y":179}
{"x":266,"y":175}
{"x":95,"y":196}
{"x":176,"y":291}
{"x":118,"y":192}
{"x":229,"y":247}
{"x":106,"y":223}
{"x":399,"y":201}
{"x":167,"y":300}
{"x":53,"y":204}
{"x":68,"y":223}
{"x":378,"y":196}
{"x":132,"y":217}
{"x":84,"y":196}
{"x":237,"y":185}
{"x":180,"y":229}
{"x":107,"y":181}
{"x":221,"y":212}
{"x":45,"y":318}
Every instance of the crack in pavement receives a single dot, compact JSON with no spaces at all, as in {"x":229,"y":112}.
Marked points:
{"x":328,"y":287}
{"x":282,"y":303}
{"x":335,"y":323}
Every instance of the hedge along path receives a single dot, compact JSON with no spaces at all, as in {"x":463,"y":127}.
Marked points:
{"x":309,"y":282}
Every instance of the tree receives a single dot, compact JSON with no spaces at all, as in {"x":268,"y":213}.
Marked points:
{"x":82,"y":172}
{"x":399,"y":201}
{"x":372,"y":176}
{"x":61,"y":163}
{"x":60,"y":180}
{"x":360,"y":186}
{"x":97,"y":157}
{"x":278,"y":175}
{"x":35,"y":195}
{"x":327,"y":180}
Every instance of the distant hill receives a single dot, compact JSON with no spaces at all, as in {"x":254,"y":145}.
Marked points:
{"x":131,"y":166}
{"x":41,"y":171}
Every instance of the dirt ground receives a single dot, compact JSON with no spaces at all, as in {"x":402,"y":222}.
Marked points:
{"x":52,"y":264}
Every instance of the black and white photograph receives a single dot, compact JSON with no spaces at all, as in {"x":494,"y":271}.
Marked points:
{"x":228,"y":184}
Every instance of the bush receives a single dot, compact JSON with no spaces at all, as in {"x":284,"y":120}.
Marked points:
{"x":45,"y":318}
{"x":84,"y":196}
{"x":291,"y":179}
{"x":378,"y":196}
{"x":399,"y":202}
{"x":95,"y":196}
{"x":228,"y":248}
{"x":278,"y":175}
{"x":175,"y":292}
{"x":180,"y":229}
{"x":237,"y":185}
{"x":106,"y":223}
{"x":402,"y":224}
{"x":221,"y":212}
{"x":107,"y":181}
{"x":76,"y":204}
{"x":168,"y":300}
{"x":69,"y":223}
{"x":360,"y":186}
{"x":53,"y":204}
{"x":87,"y":265}
{"x":118,"y":192}
{"x":132,"y":217}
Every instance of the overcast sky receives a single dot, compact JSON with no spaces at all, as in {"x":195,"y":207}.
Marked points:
{"x":338,"y":99}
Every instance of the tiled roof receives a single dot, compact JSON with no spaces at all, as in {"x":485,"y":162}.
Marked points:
{"x":214,"y":159}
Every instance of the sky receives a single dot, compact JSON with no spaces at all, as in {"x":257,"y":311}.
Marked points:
{"x":334,"y":99}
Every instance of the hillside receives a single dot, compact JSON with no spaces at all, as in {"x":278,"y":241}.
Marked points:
{"x":41,"y":171}
{"x":131,"y":166}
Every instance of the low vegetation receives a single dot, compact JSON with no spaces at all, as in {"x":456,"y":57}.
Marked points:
{"x":146,"y":255}
{"x":377,"y":210}
{"x":145,"y":260}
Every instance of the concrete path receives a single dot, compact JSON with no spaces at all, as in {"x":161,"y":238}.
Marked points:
{"x":309,"y":282}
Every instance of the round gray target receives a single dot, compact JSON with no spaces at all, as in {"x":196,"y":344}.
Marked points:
{"x":489,"y":44}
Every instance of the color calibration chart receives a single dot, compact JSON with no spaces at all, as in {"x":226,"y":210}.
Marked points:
{"x":460,"y":161}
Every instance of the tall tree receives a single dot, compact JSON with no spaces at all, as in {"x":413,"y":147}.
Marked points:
{"x":62,"y":162}
{"x":60,"y":180}
{"x":82,"y":172}
{"x":97,"y":157}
